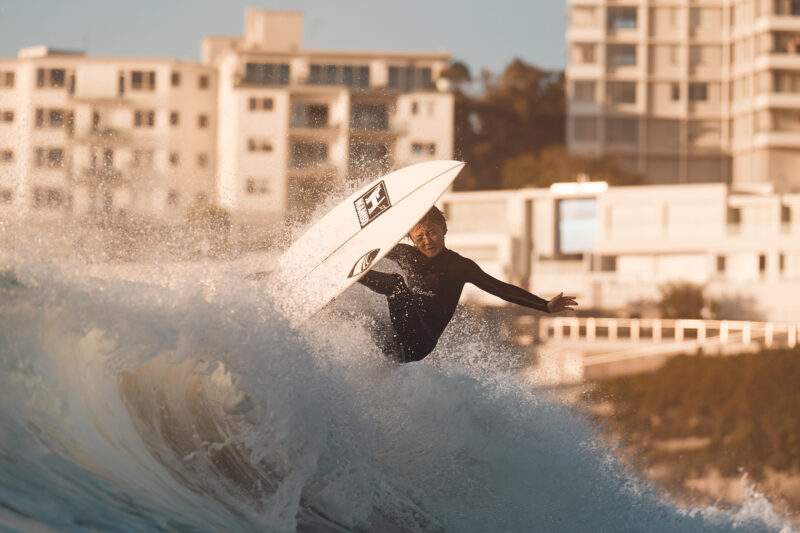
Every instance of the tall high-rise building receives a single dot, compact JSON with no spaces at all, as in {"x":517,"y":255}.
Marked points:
{"x":688,"y":91}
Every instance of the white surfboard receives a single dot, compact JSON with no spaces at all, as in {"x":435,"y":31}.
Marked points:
{"x":345,"y":243}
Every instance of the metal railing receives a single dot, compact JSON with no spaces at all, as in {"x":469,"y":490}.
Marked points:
{"x":722,"y":332}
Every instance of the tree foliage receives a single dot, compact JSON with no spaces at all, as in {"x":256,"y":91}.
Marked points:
{"x":743,"y":406}
{"x":512,"y":134}
{"x":681,"y":299}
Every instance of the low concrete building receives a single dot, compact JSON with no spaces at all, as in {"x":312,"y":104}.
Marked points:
{"x":614,"y":247}
{"x":294,"y":123}
{"x":92,"y":134}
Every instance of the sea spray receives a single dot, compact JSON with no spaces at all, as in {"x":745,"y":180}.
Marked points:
{"x":181,"y":401}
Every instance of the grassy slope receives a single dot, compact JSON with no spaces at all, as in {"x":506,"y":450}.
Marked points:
{"x":747,"y":406}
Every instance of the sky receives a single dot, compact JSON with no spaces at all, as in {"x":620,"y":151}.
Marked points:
{"x":482,"y":33}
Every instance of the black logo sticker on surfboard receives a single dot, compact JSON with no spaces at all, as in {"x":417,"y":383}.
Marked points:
{"x":364,"y":262}
{"x":372,"y":203}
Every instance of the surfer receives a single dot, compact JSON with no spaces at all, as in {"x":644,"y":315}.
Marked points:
{"x":422,"y":304}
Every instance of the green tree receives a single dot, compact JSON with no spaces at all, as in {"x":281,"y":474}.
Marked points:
{"x":554,"y":163}
{"x":520,"y":112}
{"x":681,"y":299}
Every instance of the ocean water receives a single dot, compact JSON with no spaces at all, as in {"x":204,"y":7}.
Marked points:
{"x":173,"y":398}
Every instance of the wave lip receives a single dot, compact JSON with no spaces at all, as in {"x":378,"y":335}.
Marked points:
{"x":193,"y":407}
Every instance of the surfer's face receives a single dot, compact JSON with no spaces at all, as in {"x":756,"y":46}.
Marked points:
{"x":428,"y":238}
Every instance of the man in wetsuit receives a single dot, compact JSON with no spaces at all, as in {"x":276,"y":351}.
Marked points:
{"x":422,"y":304}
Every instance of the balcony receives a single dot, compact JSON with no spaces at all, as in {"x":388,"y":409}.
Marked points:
{"x":99,"y":175}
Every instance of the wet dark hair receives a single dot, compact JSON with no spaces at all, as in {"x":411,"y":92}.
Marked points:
{"x":434,"y":216}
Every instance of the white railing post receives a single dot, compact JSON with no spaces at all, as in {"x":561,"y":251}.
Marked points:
{"x":558,"y":332}
{"x":635,"y":329}
{"x":678,"y":330}
{"x":701,"y":332}
{"x":791,"y":336}
{"x":723,"y":332}
{"x":544,"y":329}
{"x":746,"y":331}
{"x":591,"y":329}
{"x":657,"y":330}
{"x":612,"y":329}
{"x":575,"y":329}
{"x":768,"y":330}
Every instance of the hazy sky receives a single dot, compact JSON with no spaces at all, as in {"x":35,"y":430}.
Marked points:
{"x":483,"y":33}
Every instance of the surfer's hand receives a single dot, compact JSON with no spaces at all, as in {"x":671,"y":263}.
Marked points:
{"x":561,"y":303}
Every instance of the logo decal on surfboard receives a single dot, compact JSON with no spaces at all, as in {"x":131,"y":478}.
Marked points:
{"x":364,"y":262}
{"x":372,"y":203}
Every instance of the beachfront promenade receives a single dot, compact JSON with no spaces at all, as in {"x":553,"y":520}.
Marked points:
{"x":573,"y":349}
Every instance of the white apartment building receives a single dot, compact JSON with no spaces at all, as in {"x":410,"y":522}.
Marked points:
{"x":93,"y":134}
{"x":614,"y":247}
{"x":294,"y":123}
{"x":688,"y":91}
{"x":262,"y":127}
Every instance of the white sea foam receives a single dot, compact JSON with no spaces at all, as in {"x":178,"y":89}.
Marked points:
{"x":174,"y":398}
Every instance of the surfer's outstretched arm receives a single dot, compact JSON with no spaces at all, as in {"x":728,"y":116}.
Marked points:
{"x":517,"y":295}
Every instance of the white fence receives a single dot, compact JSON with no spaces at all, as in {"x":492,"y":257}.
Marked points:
{"x":584,"y":348}
{"x":666,"y":330}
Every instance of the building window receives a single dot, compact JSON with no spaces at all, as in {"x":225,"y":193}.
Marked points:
{"x":584,"y":91}
{"x":762,"y":263}
{"x":202,"y":121}
{"x":608,"y":263}
{"x":202,"y":81}
{"x":55,"y":77}
{"x":7,"y":116}
{"x":144,"y":119}
{"x":51,"y":157}
{"x":350,"y":76}
{"x":142,"y":158}
{"x":174,"y":159}
{"x":786,"y":214}
{"x":698,"y":92}
{"x":373,"y":117}
{"x":423,"y":148}
{"x":202,"y":160}
{"x":56,"y":118}
{"x":782,"y":262}
{"x":787,"y":7}
{"x":410,"y":78}
{"x":720,"y":264}
{"x":305,"y":154}
{"x":172,"y":198}
{"x":174,"y":118}
{"x":622,"y":130}
{"x":175,"y":79}
{"x":143,"y":80}
{"x":261,"y":104}
{"x":414,"y":108}
{"x":258,"y":145}
{"x":7,"y":79}
{"x":6,"y":196}
{"x":47,"y":198}
{"x":257,"y":186}
{"x":676,"y":92}
{"x":583,"y":53}
{"x":621,"y":18}
{"x":6,"y":156}
{"x":266,"y":74}
{"x":306,"y":115}
{"x":622,"y":55}
{"x":621,"y":92}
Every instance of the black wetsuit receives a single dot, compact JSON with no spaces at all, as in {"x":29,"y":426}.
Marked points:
{"x":422,"y":304}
